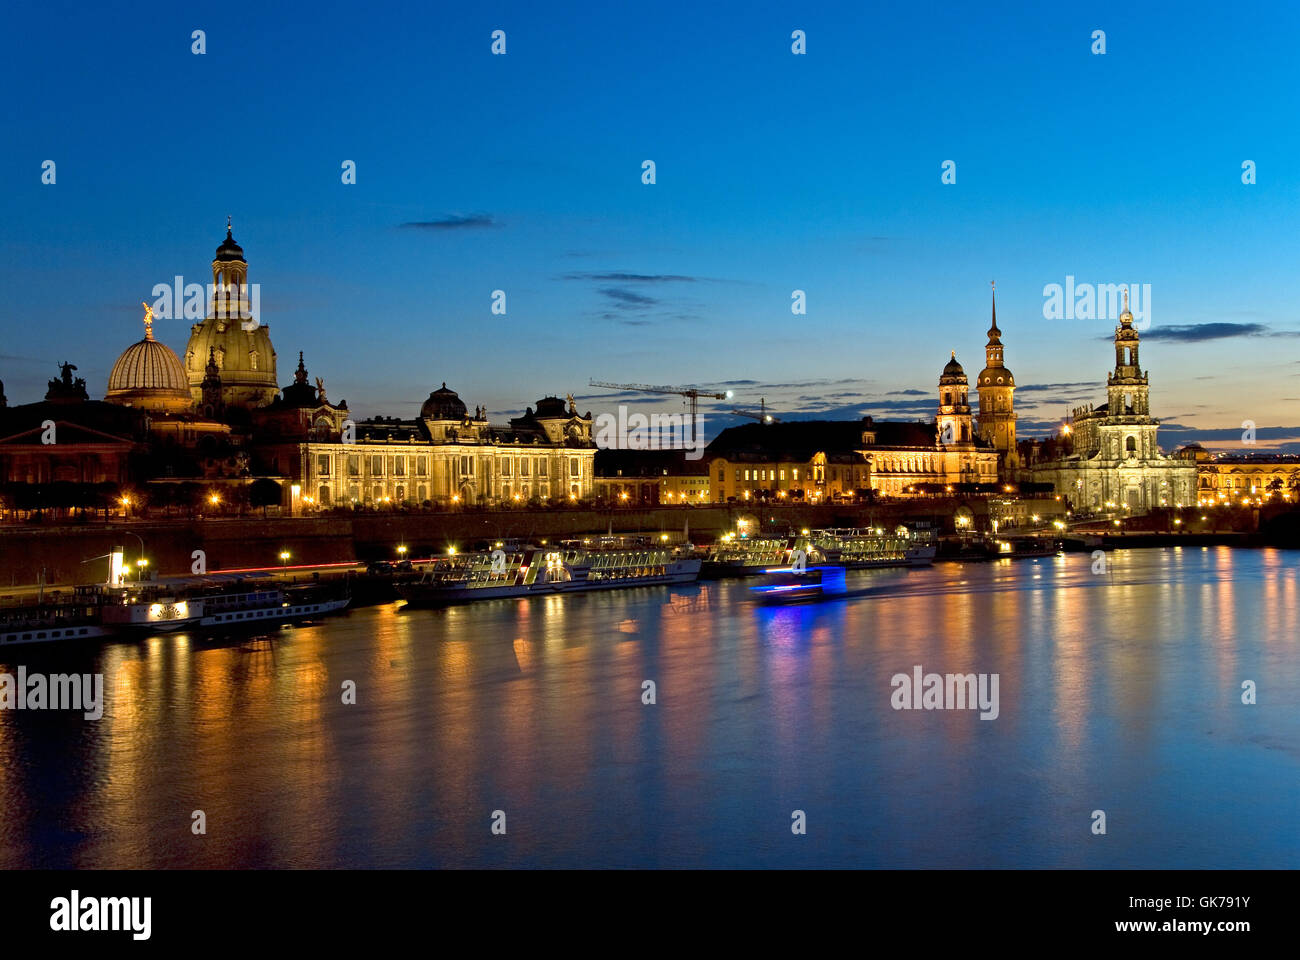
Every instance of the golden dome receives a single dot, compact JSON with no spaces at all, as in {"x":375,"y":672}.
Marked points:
{"x":148,"y":374}
{"x":245,"y":360}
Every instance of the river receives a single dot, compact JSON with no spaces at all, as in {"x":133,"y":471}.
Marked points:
{"x":1118,"y":691}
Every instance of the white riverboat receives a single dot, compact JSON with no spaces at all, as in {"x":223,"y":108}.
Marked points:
{"x":196,"y":605}
{"x":539,"y":570}
{"x":853,"y":548}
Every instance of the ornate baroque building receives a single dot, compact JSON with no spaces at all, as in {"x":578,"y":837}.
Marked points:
{"x":1115,"y":462}
{"x":220,"y":418}
{"x":445,"y":456}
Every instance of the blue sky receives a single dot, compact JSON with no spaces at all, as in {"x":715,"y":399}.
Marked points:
{"x":775,"y":172}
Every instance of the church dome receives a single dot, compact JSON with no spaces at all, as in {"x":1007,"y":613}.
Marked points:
{"x":229,"y":250}
{"x":149,"y":375}
{"x":996,"y":377}
{"x":952,"y":370}
{"x":245,"y":360}
{"x":443,"y":404}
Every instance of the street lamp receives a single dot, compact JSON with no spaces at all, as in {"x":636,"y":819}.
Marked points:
{"x":401,"y":551}
{"x":141,"y":564}
{"x":284,"y":558}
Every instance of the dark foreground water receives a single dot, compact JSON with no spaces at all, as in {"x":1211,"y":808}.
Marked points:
{"x":1118,"y":692}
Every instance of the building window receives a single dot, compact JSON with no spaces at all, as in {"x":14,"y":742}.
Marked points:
{"x":421,"y":467}
{"x":523,"y":466}
{"x":323,"y":496}
{"x":573,"y":467}
{"x":541,"y":466}
{"x":399,"y":466}
{"x":377,"y":466}
{"x":323,"y":465}
{"x":354,"y":467}
{"x":505,"y":467}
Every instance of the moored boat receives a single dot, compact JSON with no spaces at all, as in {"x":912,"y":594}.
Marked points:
{"x":538,"y":570}
{"x":853,"y":548}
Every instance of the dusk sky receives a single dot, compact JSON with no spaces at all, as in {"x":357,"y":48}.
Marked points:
{"x":774,"y":172}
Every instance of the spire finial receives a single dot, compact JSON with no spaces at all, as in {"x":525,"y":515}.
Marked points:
{"x":148,"y":320}
{"x":227,"y":224}
{"x":1126,"y":298}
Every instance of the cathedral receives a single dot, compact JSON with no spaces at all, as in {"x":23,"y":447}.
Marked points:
{"x":1113,"y":461}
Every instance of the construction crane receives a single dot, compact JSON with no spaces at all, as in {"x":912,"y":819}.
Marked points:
{"x":691,"y":394}
{"x":762,"y":416}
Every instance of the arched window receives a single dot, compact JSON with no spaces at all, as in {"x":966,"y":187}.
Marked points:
{"x":323,"y":496}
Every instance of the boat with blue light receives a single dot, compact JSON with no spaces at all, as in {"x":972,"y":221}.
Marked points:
{"x":800,"y":584}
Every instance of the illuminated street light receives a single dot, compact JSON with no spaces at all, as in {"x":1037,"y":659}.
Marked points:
{"x":284,"y":558}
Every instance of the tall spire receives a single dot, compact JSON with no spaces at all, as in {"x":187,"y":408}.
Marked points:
{"x":994,"y":332}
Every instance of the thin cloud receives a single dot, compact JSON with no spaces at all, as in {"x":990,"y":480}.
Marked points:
{"x":453,"y":222}
{"x":625,"y":299}
{"x":634,"y":278}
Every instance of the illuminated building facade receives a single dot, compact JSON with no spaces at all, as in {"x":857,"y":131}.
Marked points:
{"x":1115,"y":463}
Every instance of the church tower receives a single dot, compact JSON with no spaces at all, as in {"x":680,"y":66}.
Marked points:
{"x":232,"y":337}
{"x":954,"y":405}
{"x":1127,"y":390}
{"x":997,"y":386}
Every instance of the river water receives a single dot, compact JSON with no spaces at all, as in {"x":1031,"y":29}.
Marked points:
{"x":1118,"y":691}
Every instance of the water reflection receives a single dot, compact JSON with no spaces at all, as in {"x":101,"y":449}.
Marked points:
{"x":1119,"y":691}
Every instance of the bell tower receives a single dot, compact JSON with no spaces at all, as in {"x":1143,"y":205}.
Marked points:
{"x":997,"y":387}
{"x":954,"y":418}
{"x":1127,"y":389}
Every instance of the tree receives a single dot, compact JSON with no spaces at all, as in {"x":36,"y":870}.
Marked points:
{"x":264,"y":493}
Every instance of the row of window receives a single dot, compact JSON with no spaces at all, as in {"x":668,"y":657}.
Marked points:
{"x":52,"y":634}
{"x":397,"y":466}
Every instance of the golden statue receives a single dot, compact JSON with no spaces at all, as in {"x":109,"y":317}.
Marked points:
{"x":148,"y":320}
